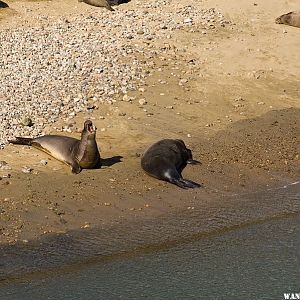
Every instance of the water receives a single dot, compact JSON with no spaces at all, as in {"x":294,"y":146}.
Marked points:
{"x":251,"y":255}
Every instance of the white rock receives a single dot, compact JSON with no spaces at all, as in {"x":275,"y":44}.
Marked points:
{"x":142,"y":101}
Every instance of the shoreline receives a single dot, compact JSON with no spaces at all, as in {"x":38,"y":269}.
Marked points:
{"x":76,"y":250}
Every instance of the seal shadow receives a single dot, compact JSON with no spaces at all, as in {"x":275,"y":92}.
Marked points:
{"x":3,"y":4}
{"x":110,"y":161}
{"x":117,"y":2}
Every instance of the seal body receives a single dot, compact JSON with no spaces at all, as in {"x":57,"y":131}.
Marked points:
{"x":98,"y":3}
{"x":291,"y":18}
{"x":79,"y":154}
{"x":166,"y":159}
{"x":3,"y":4}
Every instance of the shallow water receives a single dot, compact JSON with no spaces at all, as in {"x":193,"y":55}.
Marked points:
{"x":248,"y":249}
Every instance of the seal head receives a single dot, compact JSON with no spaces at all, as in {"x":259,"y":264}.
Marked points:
{"x":292,"y":19}
{"x":88,"y":155}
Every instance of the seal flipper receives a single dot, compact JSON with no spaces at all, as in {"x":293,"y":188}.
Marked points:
{"x":184,"y":183}
{"x":21,"y":141}
{"x":172,"y":176}
{"x":193,"y":162}
{"x":191,"y":184}
{"x":178,"y":182}
{"x":76,"y":169}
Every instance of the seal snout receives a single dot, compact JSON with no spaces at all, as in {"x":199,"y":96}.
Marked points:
{"x":89,"y":126}
{"x":92,"y":128}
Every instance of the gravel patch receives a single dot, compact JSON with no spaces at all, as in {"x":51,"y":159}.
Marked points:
{"x":58,"y":68}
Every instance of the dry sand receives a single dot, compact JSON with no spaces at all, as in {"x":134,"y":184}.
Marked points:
{"x":237,"y":108}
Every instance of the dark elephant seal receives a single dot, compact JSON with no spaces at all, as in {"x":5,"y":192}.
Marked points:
{"x":166,"y":159}
{"x":98,"y":3}
{"x":79,"y":154}
{"x":291,"y":18}
{"x":3,"y":4}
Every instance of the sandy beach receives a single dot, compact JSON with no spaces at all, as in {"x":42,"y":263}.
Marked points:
{"x":221,"y":76}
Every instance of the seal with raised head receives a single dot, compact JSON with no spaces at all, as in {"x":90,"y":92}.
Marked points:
{"x":98,"y":3}
{"x":79,"y":154}
{"x":292,"y":18}
{"x":166,"y":159}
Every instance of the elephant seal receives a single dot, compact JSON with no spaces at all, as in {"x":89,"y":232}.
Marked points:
{"x":166,"y":159}
{"x":292,"y":18}
{"x":98,"y":3}
{"x":79,"y":154}
{"x":3,"y":4}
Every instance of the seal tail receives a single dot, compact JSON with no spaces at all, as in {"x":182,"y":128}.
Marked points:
{"x":21,"y":141}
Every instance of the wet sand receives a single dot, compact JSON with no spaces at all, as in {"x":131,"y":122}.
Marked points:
{"x":237,"y":108}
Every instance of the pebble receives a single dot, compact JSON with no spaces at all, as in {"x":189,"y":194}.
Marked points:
{"x":187,"y":20}
{"x":27,"y":170}
{"x":6,"y":175}
{"x":27,"y":122}
{"x":4,"y":165}
{"x":183,"y":81}
{"x":142,"y":101}
{"x":126,"y":98}
{"x":57,"y":68}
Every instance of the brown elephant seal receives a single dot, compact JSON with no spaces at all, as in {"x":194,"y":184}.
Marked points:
{"x":166,"y":159}
{"x":98,"y":3}
{"x":292,"y":18}
{"x":79,"y":154}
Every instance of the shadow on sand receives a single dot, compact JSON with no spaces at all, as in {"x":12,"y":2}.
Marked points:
{"x":110,"y":161}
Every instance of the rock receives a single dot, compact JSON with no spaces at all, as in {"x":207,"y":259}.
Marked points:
{"x":183,"y":81}
{"x":27,"y":170}
{"x":188,"y":20}
{"x":142,"y":101}
{"x":6,"y":175}
{"x":3,"y":163}
{"x":27,"y":122}
{"x":126,"y":98}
